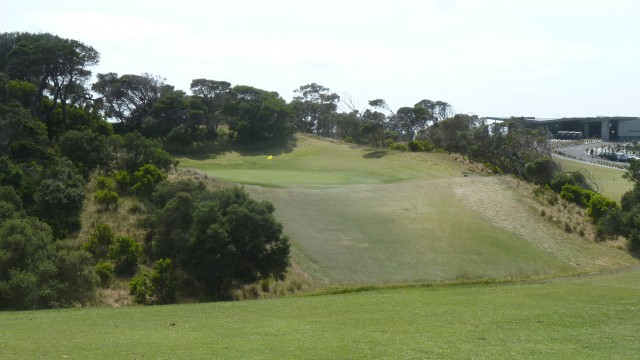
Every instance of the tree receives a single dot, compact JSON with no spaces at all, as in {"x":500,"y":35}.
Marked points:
{"x":314,"y":108}
{"x":124,"y":253}
{"x":36,"y":272}
{"x":155,"y":287}
{"x":214,"y":95}
{"x":54,"y":64}
{"x":235,"y":240}
{"x":87,"y":150}
{"x":259,"y":117}
{"x":129,"y":98}
{"x":59,"y":203}
{"x":146,"y":179}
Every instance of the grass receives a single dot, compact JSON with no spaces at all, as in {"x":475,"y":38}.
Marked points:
{"x":590,"y":317}
{"x":314,"y":163}
{"x":609,"y":180}
{"x":357,"y":215}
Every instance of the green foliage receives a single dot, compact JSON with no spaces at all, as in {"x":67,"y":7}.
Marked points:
{"x":133,"y":150}
{"x":105,"y":272}
{"x":167,"y":190}
{"x":171,"y":226}
{"x":415,"y":146}
{"x":599,"y":206}
{"x":124,"y":253}
{"x":36,"y":272}
{"x":575,"y":178}
{"x":122,"y":180}
{"x":259,"y":117}
{"x":146,"y":178}
{"x":106,"y":199}
{"x":155,"y":287}
{"x":235,"y":240}
{"x":541,"y":170}
{"x":59,"y":203}
{"x":399,"y":147}
{"x":576,"y":194}
{"x":609,"y":225}
{"x":87,"y":150}
{"x":99,"y":241}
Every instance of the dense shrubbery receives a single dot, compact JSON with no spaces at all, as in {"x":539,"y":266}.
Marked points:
{"x":221,"y":239}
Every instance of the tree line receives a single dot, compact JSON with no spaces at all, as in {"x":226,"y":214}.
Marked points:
{"x":63,"y":139}
{"x":59,"y":148}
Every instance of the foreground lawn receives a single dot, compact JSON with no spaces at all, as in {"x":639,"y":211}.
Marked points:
{"x":592,"y":317}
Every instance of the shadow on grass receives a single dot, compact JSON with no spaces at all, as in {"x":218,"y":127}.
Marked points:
{"x":211,"y":151}
{"x":377,"y":154}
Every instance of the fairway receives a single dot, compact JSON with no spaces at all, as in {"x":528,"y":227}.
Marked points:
{"x":592,"y":317}
{"x":357,"y":215}
{"x":609,"y":180}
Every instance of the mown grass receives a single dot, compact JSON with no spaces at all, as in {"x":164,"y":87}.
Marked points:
{"x":357,"y":215}
{"x":314,"y":162}
{"x":609,"y":180}
{"x":591,"y":317}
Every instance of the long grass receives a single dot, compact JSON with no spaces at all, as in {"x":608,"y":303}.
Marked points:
{"x":591,"y":317}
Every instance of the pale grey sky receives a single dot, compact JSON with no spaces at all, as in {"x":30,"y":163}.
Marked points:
{"x":539,"y":58}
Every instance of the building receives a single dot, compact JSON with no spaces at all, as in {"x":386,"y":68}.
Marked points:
{"x":604,"y":127}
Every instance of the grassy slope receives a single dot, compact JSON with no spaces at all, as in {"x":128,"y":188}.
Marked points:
{"x":592,"y":317}
{"x":357,"y":215}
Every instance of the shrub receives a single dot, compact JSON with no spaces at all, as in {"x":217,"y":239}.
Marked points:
{"x":106,"y":199}
{"x":37,"y":272}
{"x":125,"y":253}
{"x":399,"y":147}
{"x":415,"y":146}
{"x":146,"y":179}
{"x":599,"y":206}
{"x":576,"y":194}
{"x":155,"y":287}
{"x":99,"y":241}
{"x":106,"y":183}
{"x":105,"y":272}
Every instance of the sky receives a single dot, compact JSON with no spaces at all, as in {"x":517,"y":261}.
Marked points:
{"x":540,"y":58}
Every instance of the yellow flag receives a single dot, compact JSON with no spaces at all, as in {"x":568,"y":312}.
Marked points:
{"x":270,"y":157}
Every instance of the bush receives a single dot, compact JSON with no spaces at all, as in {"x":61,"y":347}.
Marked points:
{"x":574,"y":178}
{"x":146,"y":179}
{"x":99,"y":241}
{"x":576,"y":194}
{"x":125,"y":253}
{"x":37,"y":272}
{"x":399,"y":147}
{"x":415,"y":146}
{"x":105,"y":272}
{"x":155,"y":287}
{"x":106,"y":199}
{"x":599,"y":206}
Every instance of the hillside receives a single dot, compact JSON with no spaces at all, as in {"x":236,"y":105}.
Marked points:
{"x":357,"y":215}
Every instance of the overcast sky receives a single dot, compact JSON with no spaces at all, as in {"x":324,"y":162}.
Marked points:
{"x":540,"y":58}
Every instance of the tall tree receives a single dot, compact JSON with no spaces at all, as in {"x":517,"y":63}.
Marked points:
{"x":214,"y":95}
{"x":314,"y":107}
{"x":259,"y":117}
{"x":52,"y":63}
{"x":129,"y":98}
